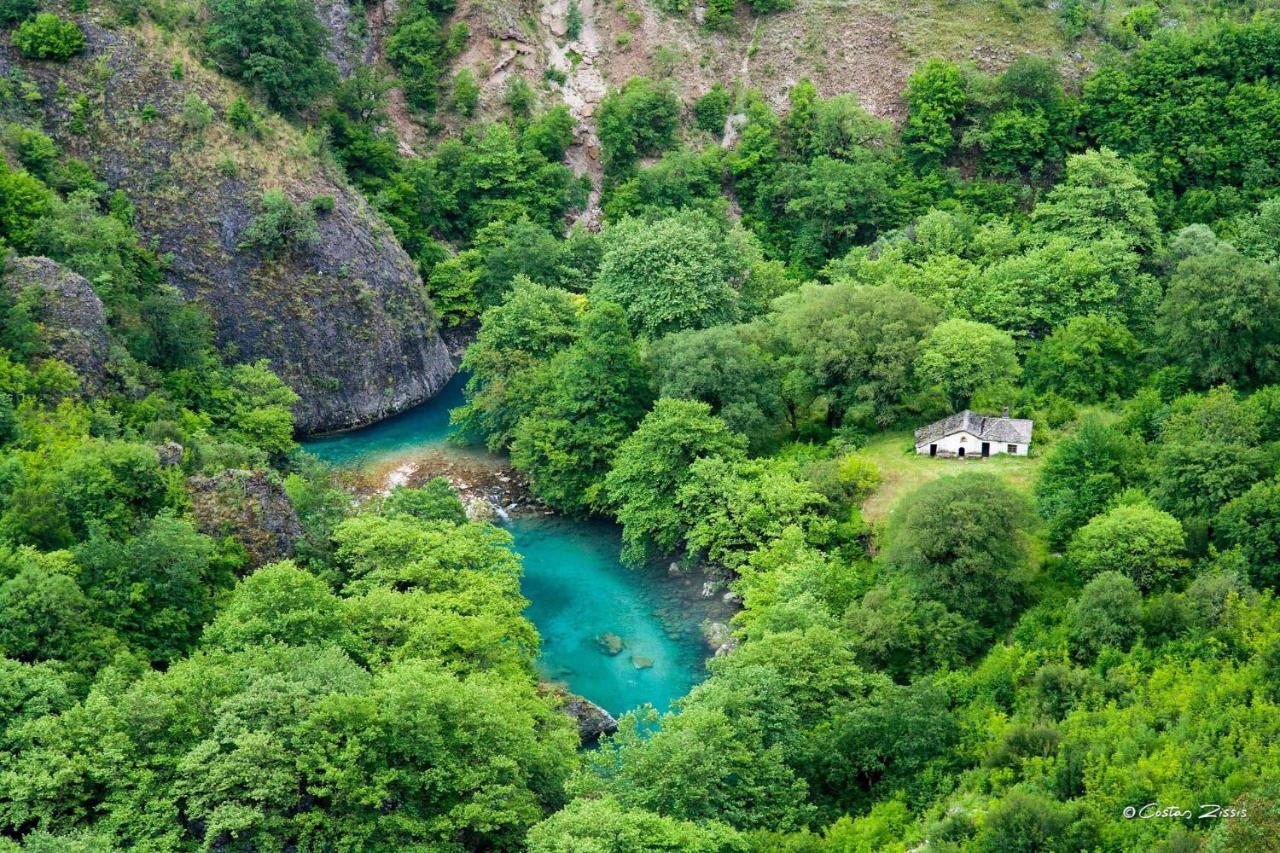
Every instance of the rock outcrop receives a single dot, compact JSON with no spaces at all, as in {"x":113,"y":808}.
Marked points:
{"x":593,"y":721}
{"x":72,"y":321}
{"x":343,"y":319}
{"x":250,"y":507}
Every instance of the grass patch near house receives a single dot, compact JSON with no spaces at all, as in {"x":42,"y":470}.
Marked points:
{"x":902,"y":471}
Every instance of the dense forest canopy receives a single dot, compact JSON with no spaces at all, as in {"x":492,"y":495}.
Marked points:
{"x":208,"y":643}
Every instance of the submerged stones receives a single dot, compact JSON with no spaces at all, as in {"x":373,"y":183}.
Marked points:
{"x":641,"y":662}
{"x":610,"y":643}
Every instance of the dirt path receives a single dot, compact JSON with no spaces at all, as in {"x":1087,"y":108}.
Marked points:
{"x":583,"y":90}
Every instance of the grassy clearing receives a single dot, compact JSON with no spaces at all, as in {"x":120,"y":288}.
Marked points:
{"x":903,"y":471}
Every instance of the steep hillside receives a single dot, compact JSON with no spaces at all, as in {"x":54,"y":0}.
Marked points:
{"x":341,"y":314}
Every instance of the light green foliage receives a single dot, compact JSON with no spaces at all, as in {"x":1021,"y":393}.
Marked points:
{"x":47,"y":36}
{"x":733,"y":507}
{"x":453,"y":286}
{"x":516,"y":338}
{"x":653,"y":462}
{"x":466,"y":92}
{"x":961,"y":357}
{"x":678,"y":273}
{"x":196,"y":114}
{"x":435,"y":500}
{"x":276,"y":47}
{"x":590,"y":397}
{"x":1136,"y":540}
{"x":605,"y":826}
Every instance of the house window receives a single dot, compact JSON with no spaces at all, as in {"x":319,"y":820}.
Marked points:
{"x":1013,"y":448}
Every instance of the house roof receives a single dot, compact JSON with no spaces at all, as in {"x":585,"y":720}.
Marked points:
{"x":985,"y":427}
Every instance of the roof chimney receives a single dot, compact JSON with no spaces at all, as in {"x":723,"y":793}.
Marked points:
{"x":1006,"y":412}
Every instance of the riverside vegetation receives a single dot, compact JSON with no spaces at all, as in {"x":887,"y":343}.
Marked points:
{"x":207,"y":644}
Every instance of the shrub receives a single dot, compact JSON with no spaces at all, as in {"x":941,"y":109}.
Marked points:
{"x":196,"y":114}
{"x":13,"y":11}
{"x":279,"y":226}
{"x":47,"y":36}
{"x":639,"y":119}
{"x":712,"y":110}
{"x":466,"y":92}
{"x":322,"y":205}
{"x":277,"y":47}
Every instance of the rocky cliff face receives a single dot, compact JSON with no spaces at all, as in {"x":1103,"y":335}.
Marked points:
{"x":72,"y":321}
{"x":344,"y":320}
{"x":249,"y":506}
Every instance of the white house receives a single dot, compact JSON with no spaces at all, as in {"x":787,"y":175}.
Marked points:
{"x":966,"y":434}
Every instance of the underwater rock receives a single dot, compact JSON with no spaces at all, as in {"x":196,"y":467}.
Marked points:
{"x":641,"y":662}
{"x":610,"y":643}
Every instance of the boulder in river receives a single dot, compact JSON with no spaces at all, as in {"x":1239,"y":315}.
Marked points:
{"x":610,"y":643}
{"x":593,"y":721}
{"x":641,"y":662}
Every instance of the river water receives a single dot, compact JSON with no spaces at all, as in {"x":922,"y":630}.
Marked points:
{"x":620,"y":637}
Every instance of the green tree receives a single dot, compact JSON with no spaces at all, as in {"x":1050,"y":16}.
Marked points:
{"x":638,"y":120}
{"x":728,"y":372}
{"x":1101,"y":198}
{"x":47,"y":36}
{"x":1251,"y":522}
{"x":594,"y":393}
{"x":516,"y":338}
{"x":962,"y":541}
{"x":651,"y":465}
{"x":276,"y":47}
{"x":734,"y":507}
{"x":1137,"y":540}
{"x":1088,"y":359}
{"x":608,"y":827}
{"x":1081,"y":475}
{"x":848,"y":351}
{"x":682,"y":272}
{"x":156,"y":590}
{"x":936,"y":99}
{"x":712,"y":109}
{"x":961,"y":357}
{"x":1107,"y":613}
{"x":1219,"y":319}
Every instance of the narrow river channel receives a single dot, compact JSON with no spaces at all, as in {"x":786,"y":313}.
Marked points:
{"x":620,"y":637}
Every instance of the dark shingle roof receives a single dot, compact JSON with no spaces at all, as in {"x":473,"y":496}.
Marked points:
{"x":987,"y":428}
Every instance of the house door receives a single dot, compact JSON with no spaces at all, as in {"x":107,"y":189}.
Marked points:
{"x":960,"y":453}
{"x":933,"y":450}
{"x":986,"y":449}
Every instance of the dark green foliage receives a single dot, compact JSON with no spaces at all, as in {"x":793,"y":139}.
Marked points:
{"x":638,"y":120}
{"x":13,"y":11}
{"x":1224,"y":102}
{"x":589,"y":398}
{"x":725,"y":370}
{"x":847,"y":351}
{"x":1089,"y":359}
{"x":550,"y":134}
{"x":417,"y":50}
{"x":276,"y":47}
{"x":1082,"y":474}
{"x":712,"y":109}
{"x":1107,"y":614}
{"x":1219,"y":319}
{"x":961,"y":540}
{"x":47,"y":36}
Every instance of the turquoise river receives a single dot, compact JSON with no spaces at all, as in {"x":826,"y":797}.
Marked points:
{"x":577,"y":589}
